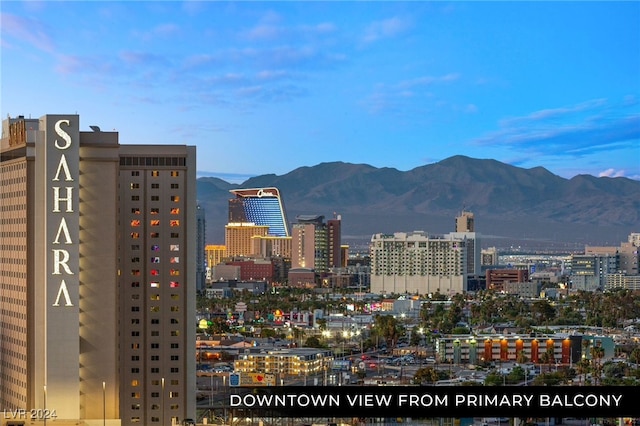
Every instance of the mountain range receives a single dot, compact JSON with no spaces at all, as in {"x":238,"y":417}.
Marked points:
{"x":511,"y":205}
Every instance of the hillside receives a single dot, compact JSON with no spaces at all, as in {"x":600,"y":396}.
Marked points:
{"x":510,"y":204}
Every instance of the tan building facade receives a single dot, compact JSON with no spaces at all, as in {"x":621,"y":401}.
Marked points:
{"x":61,"y":224}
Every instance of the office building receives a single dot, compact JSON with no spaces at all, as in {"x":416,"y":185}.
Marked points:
{"x":201,"y":232}
{"x":260,"y":206}
{"x":415,"y":263}
{"x":497,"y":278}
{"x":96,"y":324}
{"x":310,"y":243}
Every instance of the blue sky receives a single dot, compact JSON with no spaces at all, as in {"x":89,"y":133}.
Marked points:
{"x":266,"y":87}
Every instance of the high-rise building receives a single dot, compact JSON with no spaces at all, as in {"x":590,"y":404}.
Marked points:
{"x":238,"y":237}
{"x":465,"y":222}
{"x":96,"y":324}
{"x":260,"y":206}
{"x":201,"y":232}
{"x":334,"y":236}
{"x":310,"y":241}
{"x":415,"y":263}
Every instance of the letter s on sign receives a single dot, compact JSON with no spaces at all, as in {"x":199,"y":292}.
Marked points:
{"x":63,"y":134}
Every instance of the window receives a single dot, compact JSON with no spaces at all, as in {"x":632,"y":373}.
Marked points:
{"x":135,"y":272}
{"x":155,"y":321}
{"x":155,"y":383}
{"x":155,"y":297}
{"x":135,"y":419}
{"x":173,"y":394}
{"x":175,"y":370}
{"x":135,"y":186}
{"x":155,"y":210}
{"x":155,"y":309}
{"x":135,"y":333}
{"x":155,"y":272}
{"x":174,"y":259}
{"x":155,"y":173}
{"x":135,"y":394}
{"x":174,"y":272}
{"x":174,"y":222}
{"x":175,"y":173}
{"x":175,"y":297}
{"x":155,"y":222}
{"x":135,"y":358}
{"x":135,"y":246}
{"x":135,"y":260}
{"x":175,"y":210}
{"x":174,"y":186}
{"x":155,"y":247}
{"x":155,"y":234}
{"x":135,"y":173}
{"x":135,"y":346}
{"x":155,"y":198}
{"x":175,"y":345}
{"x":155,"y":259}
{"x":175,"y":309}
{"x":155,"y":370}
{"x":155,"y":185}
{"x":135,"y":284}
{"x":175,"y":235}
{"x":175,"y":198}
{"x":135,"y":296}
{"x":155,"y":334}
{"x":175,"y":382}
{"x":135,"y":320}
{"x":135,"y":309}
{"x":135,"y":370}
{"x":135,"y":198}
{"x":174,"y":321}
{"x":175,"y":333}
{"x":135,"y":222}
{"x":155,"y":284}
{"x":155,"y":394}
{"x":135,"y":406}
{"x":135,"y":210}
{"x":135,"y":235}
{"x":174,"y":284}
{"x":175,"y":357}
{"x":174,"y":247}
{"x":155,"y":346}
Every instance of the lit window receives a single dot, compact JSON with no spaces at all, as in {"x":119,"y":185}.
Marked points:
{"x":173,"y":394}
{"x":155,"y":272}
{"x":155,"y":247}
{"x":135,"y":272}
{"x":155,"y":297}
{"x":175,"y":198}
{"x":155,"y":210}
{"x":174,"y":259}
{"x":135,"y":235}
{"x":135,"y":210}
{"x":155,"y":309}
{"x":175,"y":297}
{"x":135,"y":185}
{"x":155,"y":259}
{"x":174,"y":247}
{"x":155,"y":173}
{"x":174,"y":284}
{"x":155,"y":284}
{"x":175,"y":309}
{"x":156,"y":222}
{"x":135,"y":222}
{"x":175,"y":210}
{"x":134,"y":382}
{"x":135,"y":406}
{"x":174,"y":222}
{"x":175,"y":173}
{"x":155,"y":234}
{"x":175,"y":333}
{"x":174,"y":272}
{"x":135,"y":419}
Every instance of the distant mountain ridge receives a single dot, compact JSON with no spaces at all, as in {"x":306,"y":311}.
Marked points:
{"x":508,"y":202}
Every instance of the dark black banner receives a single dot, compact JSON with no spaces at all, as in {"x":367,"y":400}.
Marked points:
{"x":425,"y":402}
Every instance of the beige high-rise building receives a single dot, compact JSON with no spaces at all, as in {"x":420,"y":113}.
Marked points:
{"x":238,"y":237}
{"x":96,"y":275}
{"x":465,"y":222}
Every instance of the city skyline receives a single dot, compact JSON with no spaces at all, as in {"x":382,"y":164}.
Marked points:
{"x":387,"y":84}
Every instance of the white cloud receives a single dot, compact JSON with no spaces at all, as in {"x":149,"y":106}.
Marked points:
{"x":611,"y":173}
{"x":385,"y":29}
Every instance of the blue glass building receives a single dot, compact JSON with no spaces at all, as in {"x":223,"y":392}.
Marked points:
{"x":261,"y":206}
